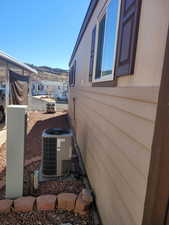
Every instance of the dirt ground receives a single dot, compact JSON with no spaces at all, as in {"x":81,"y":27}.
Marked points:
{"x":38,"y":121}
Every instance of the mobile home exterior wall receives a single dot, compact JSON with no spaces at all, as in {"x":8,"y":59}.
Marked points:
{"x":114,"y":125}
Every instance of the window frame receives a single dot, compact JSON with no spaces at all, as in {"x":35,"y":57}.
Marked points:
{"x":109,"y":79}
{"x":92,"y":53}
{"x":72,"y":75}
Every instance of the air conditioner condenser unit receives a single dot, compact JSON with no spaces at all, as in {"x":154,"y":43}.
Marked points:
{"x":56,"y":152}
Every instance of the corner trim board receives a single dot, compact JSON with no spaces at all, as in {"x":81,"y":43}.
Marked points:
{"x":157,"y":197}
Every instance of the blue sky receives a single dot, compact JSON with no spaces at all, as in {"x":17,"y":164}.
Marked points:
{"x":39,"y":31}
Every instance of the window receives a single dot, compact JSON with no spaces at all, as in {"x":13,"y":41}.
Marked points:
{"x":92,"y":51}
{"x":118,"y":28}
{"x":71,"y":77}
{"x":106,"y":45}
{"x":72,"y":74}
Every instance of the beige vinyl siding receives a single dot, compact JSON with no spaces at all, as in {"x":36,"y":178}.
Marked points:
{"x":114,"y":133}
{"x":114,"y":126}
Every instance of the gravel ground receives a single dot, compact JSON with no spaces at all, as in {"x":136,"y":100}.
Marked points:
{"x":47,"y":187}
{"x":43,"y":218}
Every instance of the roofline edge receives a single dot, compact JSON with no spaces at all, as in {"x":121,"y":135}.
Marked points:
{"x":14,"y":61}
{"x":89,"y":13}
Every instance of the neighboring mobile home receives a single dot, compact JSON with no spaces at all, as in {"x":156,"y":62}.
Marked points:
{"x":15,"y":77}
{"x":115,"y":75}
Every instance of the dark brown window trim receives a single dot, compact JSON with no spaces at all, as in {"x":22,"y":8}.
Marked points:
{"x":110,"y":83}
{"x":131,"y":15}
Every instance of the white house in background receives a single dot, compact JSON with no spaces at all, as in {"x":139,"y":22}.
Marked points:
{"x":46,"y":87}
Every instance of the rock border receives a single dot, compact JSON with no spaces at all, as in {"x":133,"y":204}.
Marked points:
{"x":79,"y":204}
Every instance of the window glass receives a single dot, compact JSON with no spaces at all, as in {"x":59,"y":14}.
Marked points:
{"x":72,"y":74}
{"x":100,"y":47}
{"x":107,"y":40}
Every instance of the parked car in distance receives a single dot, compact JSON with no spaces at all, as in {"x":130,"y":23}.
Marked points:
{"x":2,"y":105}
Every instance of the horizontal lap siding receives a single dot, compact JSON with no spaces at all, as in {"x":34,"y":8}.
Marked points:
{"x":114,"y":129}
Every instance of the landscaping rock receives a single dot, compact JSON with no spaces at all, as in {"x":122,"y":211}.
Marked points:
{"x":83,"y":202}
{"x":46,"y":202}
{"x":86,"y":196}
{"x":24,"y":204}
{"x":66,"y":201}
{"x":42,"y":218}
{"x":5,"y":205}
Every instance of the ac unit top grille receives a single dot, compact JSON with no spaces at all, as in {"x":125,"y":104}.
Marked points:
{"x":56,"y":132}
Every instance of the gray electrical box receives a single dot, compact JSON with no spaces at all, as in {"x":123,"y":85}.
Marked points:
{"x":57,"y":152}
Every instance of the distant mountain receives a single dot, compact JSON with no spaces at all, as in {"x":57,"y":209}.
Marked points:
{"x":48,"y":73}
{"x":48,"y":69}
